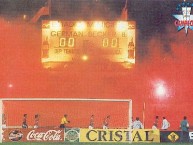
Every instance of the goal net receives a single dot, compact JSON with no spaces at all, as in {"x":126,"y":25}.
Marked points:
{"x":51,"y":110}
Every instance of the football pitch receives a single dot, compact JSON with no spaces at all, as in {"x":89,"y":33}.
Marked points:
{"x":78,"y":143}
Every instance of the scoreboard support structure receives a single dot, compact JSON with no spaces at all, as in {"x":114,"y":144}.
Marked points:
{"x":129,"y":101}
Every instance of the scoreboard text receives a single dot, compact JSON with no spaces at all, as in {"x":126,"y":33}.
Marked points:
{"x":66,"y":41}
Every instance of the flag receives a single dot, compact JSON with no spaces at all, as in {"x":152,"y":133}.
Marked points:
{"x":124,"y":12}
{"x":42,"y":12}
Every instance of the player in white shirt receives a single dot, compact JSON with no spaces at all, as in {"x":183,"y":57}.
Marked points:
{"x":165,"y":124}
{"x":91,"y":124}
{"x":137,"y":124}
{"x":154,"y":126}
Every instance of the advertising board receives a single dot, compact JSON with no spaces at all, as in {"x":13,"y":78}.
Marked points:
{"x":33,"y":135}
{"x":119,"y":135}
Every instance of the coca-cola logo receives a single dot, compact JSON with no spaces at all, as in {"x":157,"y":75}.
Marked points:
{"x":15,"y":135}
{"x":50,"y":135}
{"x":72,"y":135}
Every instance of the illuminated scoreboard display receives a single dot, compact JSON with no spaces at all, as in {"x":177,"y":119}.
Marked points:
{"x":68,"y":41}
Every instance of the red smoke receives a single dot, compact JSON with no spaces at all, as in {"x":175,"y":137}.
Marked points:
{"x":169,"y":60}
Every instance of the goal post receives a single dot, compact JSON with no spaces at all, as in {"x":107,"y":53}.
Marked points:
{"x":1,"y":124}
{"x":96,"y":101}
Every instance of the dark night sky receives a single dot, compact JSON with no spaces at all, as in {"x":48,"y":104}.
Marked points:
{"x":151,"y":16}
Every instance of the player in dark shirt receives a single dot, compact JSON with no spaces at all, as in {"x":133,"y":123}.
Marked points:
{"x":24,"y":123}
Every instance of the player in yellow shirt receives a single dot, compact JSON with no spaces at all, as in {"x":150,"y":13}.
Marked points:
{"x":64,"y":121}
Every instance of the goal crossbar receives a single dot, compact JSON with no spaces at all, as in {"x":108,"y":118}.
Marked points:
{"x":64,"y":99}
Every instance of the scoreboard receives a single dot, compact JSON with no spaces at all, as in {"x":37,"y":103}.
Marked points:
{"x":68,"y":41}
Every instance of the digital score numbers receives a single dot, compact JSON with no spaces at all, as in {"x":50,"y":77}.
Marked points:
{"x":67,"y":41}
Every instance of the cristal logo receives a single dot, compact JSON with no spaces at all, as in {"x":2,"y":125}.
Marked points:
{"x":185,"y":19}
{"x":50,"y":135}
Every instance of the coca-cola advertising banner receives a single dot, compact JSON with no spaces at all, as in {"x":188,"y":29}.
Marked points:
{"x":34,"y":135}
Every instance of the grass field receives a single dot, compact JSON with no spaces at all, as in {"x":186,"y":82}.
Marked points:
{"x":70,"y":143}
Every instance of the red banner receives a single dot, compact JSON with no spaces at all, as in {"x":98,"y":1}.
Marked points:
{"x":34,"y":135}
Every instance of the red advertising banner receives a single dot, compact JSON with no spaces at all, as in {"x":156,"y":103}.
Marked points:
{"x":33,"y":135}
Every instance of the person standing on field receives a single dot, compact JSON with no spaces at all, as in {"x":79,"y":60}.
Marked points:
{"x":154,"y":126}
{"x":36,"y":123}
{"x":137,"y":124}
{"x":156,"y":121}
{"x":165,"y":124}
{"x":3,"y":121}
{"x":24,"y":123}
{"x":106,"y":122}
{"x":91,"y":124}
{"x":64,"y":121}
{"x":184,"y":125}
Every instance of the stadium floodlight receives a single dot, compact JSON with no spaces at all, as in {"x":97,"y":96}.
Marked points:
{"x":15,"y":100}
{"x":80,"y":26}
{"x":55,"y":25}
{"x":98,"y":26}
{"x":121,"y":26}
{"x":160,"y":88}
{"x":85,"y":57}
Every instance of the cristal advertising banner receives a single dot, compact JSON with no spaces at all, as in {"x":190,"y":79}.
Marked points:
{"x":101,"y":135}
{"x":146,"y":135}
{"x":33,"y":135}
{"x":119,"y":135}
